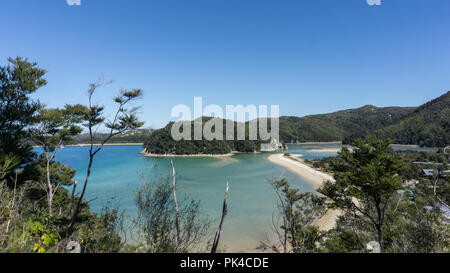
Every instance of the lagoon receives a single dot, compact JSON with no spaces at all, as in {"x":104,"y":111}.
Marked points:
{"x":119,"y":170}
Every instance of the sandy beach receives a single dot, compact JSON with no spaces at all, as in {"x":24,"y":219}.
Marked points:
{"x":98,"y":144}
{"x":315,"y":143}
{"x":143,"y":153}
{"x":325,"y":150}
{"x":404,"y":146}
{"x":316,"y":178}
{"x":108,"y":144}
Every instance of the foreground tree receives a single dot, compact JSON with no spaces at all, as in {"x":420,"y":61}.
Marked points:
{"x":348,"y":236}
{"x":160,"y":227}
{"x":366,"y":180}
{"x":56,"y":127}
{"x":298,"y":211}
{"x":10,"y":200}
{"x":412,"y":230}
{"x":25,"y":197}
{"x":124,"y":120}
{"x":18,"y":80}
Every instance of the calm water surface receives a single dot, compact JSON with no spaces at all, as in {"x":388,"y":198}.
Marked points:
{"x":117,"y":173}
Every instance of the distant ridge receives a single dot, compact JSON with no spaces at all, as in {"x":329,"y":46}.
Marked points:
{"x":428,"y":125}
{"x":342,"y":126}
{"x":135,"y":136}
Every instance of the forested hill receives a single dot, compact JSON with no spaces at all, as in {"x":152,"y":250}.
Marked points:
{"x":134,"y":136}
{"x":428,"y":125}
{"x":162,"y":143}
{"x":340,"y":126}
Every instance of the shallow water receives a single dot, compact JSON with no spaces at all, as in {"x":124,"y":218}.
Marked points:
{"x":117,"y":172}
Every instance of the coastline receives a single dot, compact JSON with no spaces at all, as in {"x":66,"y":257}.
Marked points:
{"x":314,"y":143}
{"x":143,"y":153}
{"x":407,"y":146}
{"x":98,"y":144}
{"x":316,"y":178}
{"x":340,"y":143}
{"x":326,"y":150}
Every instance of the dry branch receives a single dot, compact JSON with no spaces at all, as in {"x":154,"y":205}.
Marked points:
{"x":224,"y":214}
{"x":177,"y":224}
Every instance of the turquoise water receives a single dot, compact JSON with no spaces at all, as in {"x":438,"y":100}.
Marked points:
{"x":117,"y":173}
{"x":303,"y":149}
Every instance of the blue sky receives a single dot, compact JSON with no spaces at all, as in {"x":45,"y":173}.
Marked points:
{"x":308,"y":56}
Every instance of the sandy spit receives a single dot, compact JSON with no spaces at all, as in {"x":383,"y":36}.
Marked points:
{"x":316,"y":178}
{"x":325,"y":150}
{"x":143,"y":153}
{"x":98,"y":144}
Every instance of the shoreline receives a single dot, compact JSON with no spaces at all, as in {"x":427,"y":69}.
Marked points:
{"x":98,"y":144}
{"x":314,"y":177}
{"x":314,"y":143}
{"x":408,"y":146}
{"x":186,"y":156}
{"x":145,"y":154}
{"x":340,"y":143}
{"x":326,"y":150}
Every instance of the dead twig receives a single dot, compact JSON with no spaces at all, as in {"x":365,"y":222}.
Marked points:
{"x":177,"y":224}
{"x":224,"y":214}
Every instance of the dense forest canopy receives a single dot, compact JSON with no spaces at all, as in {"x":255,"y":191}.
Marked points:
{"x":428,"y":125}
{"x":135,"y":136}
{"x":339,"y":126}
{"x":161,"y":142}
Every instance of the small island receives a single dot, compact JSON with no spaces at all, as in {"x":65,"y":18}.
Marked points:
{"x":161,"y":144}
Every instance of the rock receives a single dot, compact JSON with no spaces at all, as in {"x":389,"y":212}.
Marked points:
{"x":273,"y":146}
{"x":373,"y":247}
{"x":73,"y":247}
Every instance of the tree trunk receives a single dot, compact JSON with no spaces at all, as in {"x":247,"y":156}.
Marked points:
{"x":219,"y":231}
{"x":50,"y":188}
{"x":379,"y":225}
{"x":380,"y":238}
{"x":77,"y":207}
{"x":177,"y":224}
{"x":69,"y":211}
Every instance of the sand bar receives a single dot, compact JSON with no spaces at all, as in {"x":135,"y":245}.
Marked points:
{"x":314,"y":143}
{"x":98,"y":144}
{"x":143,"y":153}
{"x":316,"y":178}
{"x":324,"y":150}
{"x":108,"y":144}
